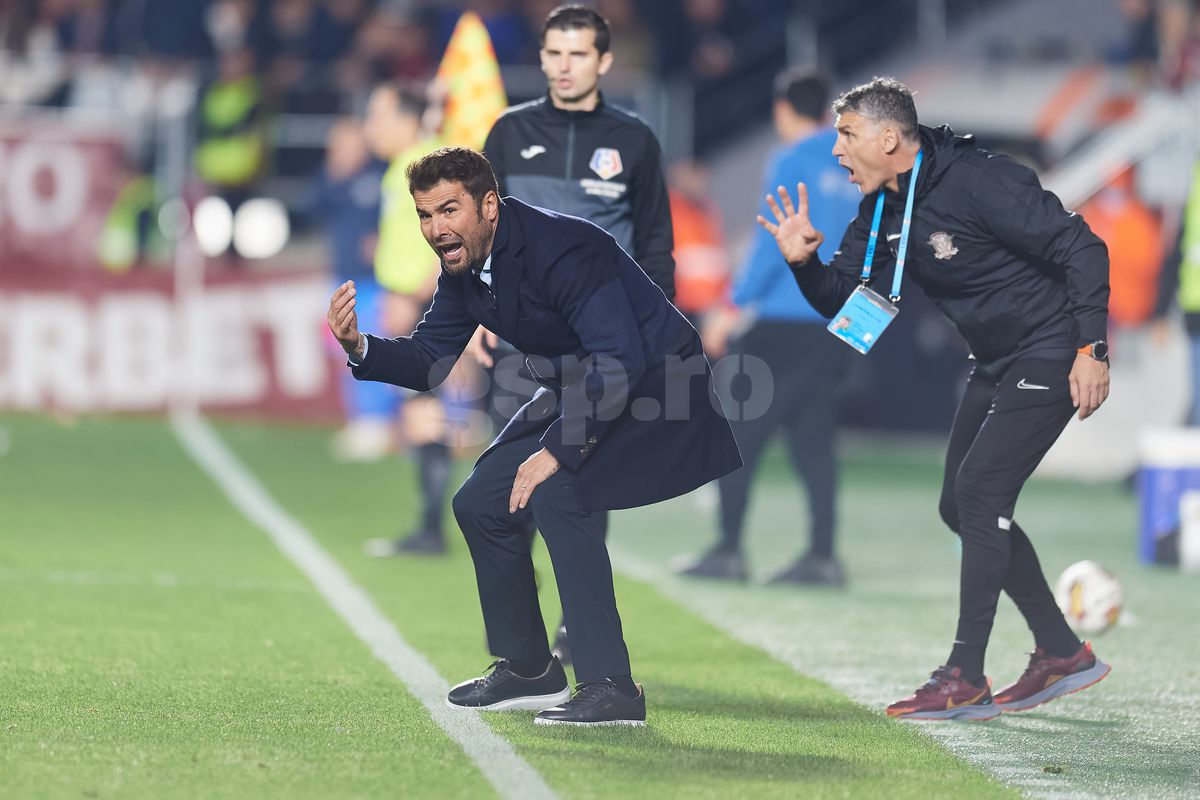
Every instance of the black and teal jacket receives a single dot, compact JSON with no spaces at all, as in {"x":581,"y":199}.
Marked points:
{"x":1014,"y":271}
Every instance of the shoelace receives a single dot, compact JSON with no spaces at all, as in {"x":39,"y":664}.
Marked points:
{"x":1035,"y":663}
{"x":492,"y":674}
{"x":938,"y":678}
{"x":587,"y":691}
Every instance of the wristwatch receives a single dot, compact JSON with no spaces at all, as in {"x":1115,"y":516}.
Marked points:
{"x":1097,"y":350}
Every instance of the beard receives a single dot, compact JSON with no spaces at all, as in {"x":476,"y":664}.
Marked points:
{"x":461,"y":268}
{"x":474,"y":252}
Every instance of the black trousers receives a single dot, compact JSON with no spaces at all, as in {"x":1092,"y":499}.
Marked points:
{"x":806,"y":364}
{"x":1003,"y":428}
{"x":500,"y":547}
{"x":514,"y":398}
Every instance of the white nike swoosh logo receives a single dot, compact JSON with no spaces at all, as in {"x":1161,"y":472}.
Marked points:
{"x":531,"y":151}
{"x":1021,"y":384}
{"x":893,"y":236}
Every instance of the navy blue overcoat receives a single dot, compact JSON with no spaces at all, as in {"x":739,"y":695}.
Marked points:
{"x":626,"y":400}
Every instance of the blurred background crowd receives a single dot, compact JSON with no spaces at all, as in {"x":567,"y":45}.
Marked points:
{"x":120,"y":120}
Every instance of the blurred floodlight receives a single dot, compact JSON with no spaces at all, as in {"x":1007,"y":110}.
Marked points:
{"x":213,"y":222}
{"x":260,"y":228}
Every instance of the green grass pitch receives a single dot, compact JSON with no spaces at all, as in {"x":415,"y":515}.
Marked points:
{"x":155,"y":644}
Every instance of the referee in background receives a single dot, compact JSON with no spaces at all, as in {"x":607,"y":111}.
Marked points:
{"x":1026,"y":284}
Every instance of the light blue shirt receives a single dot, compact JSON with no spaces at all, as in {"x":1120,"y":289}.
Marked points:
{"x":765,"y":284}
{"x":485,"y":272}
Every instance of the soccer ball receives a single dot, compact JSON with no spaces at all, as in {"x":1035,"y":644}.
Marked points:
{"x":1090,"y":597}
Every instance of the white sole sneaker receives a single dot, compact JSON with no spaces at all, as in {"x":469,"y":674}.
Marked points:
{"x":630,"y":723}
{"x":536,"y":702}
{"x":971,"y":713}
{"x":1068,"y":685}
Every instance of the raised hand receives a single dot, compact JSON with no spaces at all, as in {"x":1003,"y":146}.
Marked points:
{"x":343,"y":319}
{"x":798,"y":240}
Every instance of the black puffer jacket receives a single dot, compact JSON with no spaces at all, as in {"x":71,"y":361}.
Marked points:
{"x":995,"y":252}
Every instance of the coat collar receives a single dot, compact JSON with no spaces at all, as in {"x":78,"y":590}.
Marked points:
{"x":507,"y":238}
{"x":507,"y":246}
{"x":508,"y":233}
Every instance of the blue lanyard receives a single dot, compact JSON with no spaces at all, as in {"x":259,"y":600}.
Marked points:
{"x":902,"y":250}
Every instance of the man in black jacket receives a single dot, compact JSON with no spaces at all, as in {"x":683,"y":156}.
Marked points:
{"x":626,"y":416}
{"x":571,"y":152}
{"x":1026,"y":284}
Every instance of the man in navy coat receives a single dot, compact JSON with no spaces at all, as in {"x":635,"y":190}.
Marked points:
{"x":626,"y":416}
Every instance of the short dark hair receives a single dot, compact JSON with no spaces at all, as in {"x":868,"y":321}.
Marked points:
{"x":807,"y":92}
{"x":574,"y":17}
{"x":454,"y":165}
{"x":882,"y":100}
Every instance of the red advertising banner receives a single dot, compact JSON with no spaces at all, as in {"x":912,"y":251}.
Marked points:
{"x":58,"y":183}
{"x":92,"y":342}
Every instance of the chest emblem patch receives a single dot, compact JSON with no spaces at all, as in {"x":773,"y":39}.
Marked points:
{"x":606,"y":162}
{"x":943,"y":245}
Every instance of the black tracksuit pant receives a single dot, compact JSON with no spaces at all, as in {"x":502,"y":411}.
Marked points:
{"x":500,"y":547}
{"x":1003,"y":428}
{"x":806,"y":364}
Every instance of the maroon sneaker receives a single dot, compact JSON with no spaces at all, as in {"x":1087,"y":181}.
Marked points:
{"x":947,"y":696}
{"x":1048,"y":677}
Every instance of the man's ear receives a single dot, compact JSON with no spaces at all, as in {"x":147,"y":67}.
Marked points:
{"x":606,"y":62}
{"x":890,"y":140}
{"x":491,"y":206}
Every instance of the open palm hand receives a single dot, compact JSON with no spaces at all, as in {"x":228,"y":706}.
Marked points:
{"x":798,"y":240}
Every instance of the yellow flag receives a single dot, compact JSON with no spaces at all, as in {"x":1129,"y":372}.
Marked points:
{"x":475,"y":93}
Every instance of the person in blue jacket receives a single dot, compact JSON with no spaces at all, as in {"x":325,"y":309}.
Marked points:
{"x":784,"y":331}
{"x":626,"y":415}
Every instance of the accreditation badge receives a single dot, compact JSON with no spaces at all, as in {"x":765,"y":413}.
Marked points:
{"x":863,"y":319}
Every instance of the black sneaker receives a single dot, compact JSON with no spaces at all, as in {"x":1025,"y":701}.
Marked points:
{"x":813,"y":570}
{"x":503,"y":690}
{"x":719,"y":563}
{"x":562,"y":648}
{"x":597,"y":703}
{"x":420,"y":543}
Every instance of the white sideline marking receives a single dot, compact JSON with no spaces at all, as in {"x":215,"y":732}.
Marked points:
{"x":959,"y":738}
{"x":509,"y":774}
